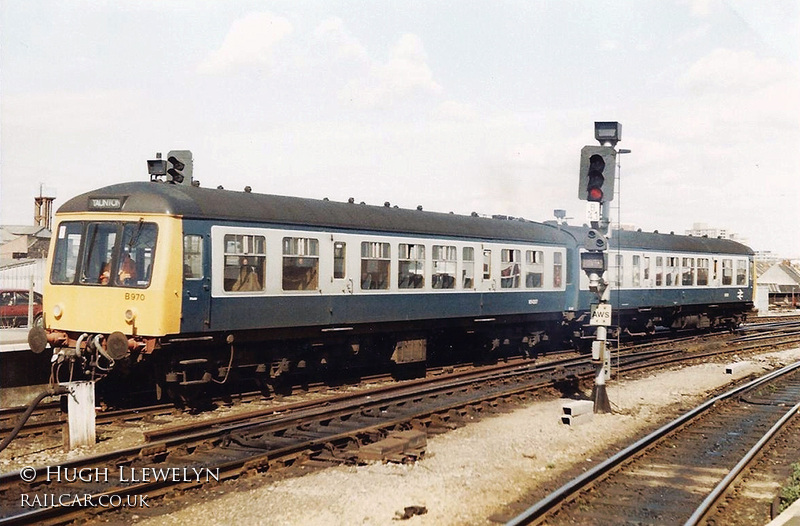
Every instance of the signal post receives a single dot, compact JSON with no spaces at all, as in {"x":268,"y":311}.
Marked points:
{"x":596,"y":186}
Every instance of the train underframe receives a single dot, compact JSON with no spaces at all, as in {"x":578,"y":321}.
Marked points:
{"x":642,"y":322}
{"x":184,"y":367}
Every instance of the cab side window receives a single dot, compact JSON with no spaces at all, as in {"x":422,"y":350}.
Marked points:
{"x":192,"y":256}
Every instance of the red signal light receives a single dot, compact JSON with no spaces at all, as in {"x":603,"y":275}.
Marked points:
{"x":596,"y":179}
{"x":595,"y":194}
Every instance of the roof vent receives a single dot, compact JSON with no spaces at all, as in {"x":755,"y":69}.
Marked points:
{"x":220,"y":187}
{"x":419,"y":207}
{"x":387,"y":204}
{"x":351,"y":200}
{"x":247,"y":189}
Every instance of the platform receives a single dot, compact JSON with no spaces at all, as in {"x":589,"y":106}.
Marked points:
{"x":21,"y":371}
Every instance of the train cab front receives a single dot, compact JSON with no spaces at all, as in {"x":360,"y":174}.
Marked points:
{"x":110,"y":293}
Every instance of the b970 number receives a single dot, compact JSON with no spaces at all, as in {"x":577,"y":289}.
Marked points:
{"x":134,"y":296}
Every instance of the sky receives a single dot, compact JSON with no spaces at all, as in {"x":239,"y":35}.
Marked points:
{"x":462,"y":105}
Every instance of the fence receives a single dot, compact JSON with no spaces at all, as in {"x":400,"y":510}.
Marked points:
{"x":19,"y":275}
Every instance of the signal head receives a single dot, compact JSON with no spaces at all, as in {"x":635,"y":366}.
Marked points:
{"x":180,"y":166}
{"x":596,"y":182}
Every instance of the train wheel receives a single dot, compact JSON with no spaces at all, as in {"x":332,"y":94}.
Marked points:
{"x":282,"y":385}
{"x":407,"y":371}
{"x":195,"y":398}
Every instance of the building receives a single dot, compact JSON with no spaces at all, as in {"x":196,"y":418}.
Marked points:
{"x":23,"y":242}
{"x":703,"y":229}
{"x":782,"y":283}
{"x":23,"y":251}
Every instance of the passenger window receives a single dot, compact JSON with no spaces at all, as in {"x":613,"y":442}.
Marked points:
{"x":374,"y":265}
{"x":192,"y":256}
{"x":688,"y":272}
{"x":702,"y":271}
{"x":339,"y":260}
{"x":487,"y":264}
{"x":557,"y":269}
{"x":444,"y":267}
{"x":617,"y":273}
{"x":646,"y":271}
{"x":741,"y":272}
{"x":245,"y":259}
{"x":659,"y":271}
{"x":300,"y":263}
{"x":468,"y":270}
{"x":534,"y":269}
{"x":636,"y":271}
{"x":673,"y":271}
{"x":411,"y":272}
{"x":510,"y":270}
{"x":727,"y":272}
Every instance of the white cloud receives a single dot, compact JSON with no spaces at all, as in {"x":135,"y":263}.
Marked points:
{"x":702,"y":8}
{"x":609,"y":44}
{"x":732,"y":71}
{"x":694,"y":34}
{"x":250,"y":42}
{"x":455,"y":111}
{"x":333,"y":33}
{"x":405,"y":72}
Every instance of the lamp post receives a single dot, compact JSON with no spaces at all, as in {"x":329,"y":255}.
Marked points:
{"x":620,"y":152}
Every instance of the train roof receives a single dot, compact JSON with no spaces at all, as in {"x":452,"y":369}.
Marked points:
{"x":629,"y":239}
{"x":226,"y":205}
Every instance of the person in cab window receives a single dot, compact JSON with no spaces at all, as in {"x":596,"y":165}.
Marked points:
{"x":127,"y":270}
{"x":105,"y":274}
{"x":248,"y":279}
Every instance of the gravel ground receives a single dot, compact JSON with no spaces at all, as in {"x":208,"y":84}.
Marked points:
{"x":468,"y":474}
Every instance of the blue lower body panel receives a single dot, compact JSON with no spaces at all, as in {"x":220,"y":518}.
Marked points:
{"x":330,"y":311}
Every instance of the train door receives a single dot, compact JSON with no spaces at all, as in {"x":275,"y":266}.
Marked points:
{"x":488,"y":281}
{"x":342,"y":280}
{"x":196,"y":279}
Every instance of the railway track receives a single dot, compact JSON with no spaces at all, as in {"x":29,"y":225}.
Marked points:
{"x":328,"y":431}
{"x":48,"y":417}
{"x":678,"y":473}
{"x":391,"y":422}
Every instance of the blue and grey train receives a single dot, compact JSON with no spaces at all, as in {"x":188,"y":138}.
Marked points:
{"x":196,"y":284}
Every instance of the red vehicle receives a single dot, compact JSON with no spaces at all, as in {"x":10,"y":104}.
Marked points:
{"x":14,"y":308}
